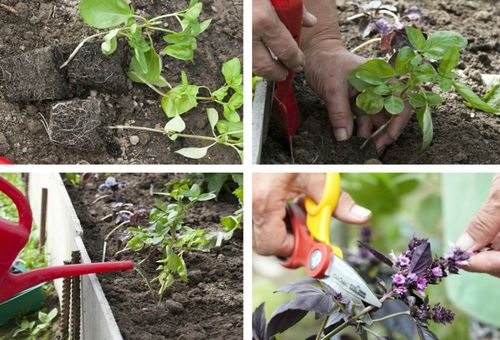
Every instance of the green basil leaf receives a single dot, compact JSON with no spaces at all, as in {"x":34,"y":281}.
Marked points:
{"x":417,"y":99}
{"x":416,"y":37}
{"x":425,"y":123}
{"x":415,"y":61}
{"x":180,"y":99}
{"x":194,"y":153}
{"x":181,"y":51}
{"x":450,"y":60}
{"x":394,"y":105}
{"x":370,"y":102}
{"x":230,"y":113}
{"x":213,"y":117}
{"x":440,"y":42}
{"x":472,"y":99}
{"x":236,"y":100}
{"x":105,"y":14}
{"x":425,"y":73}
{"x":358,"y":84}
{"x":378,"y":67}
{"x":369,"y":77}
{"x":382,"y":90}
{"x":445,"y":84}
{"x":405,"y":55}
{"x":152,"y":63}
{"x":231,"y":70}
{"x":175,"y":124}
{"x":108,"y":46}
{"x":233,"y":128}
{"x":433,"y":99}
{"x":397,"y":87}
{"x":220,"y":93}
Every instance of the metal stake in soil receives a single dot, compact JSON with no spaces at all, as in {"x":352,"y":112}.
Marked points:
{"x":66,"y":304}
{"x":75,"y":300}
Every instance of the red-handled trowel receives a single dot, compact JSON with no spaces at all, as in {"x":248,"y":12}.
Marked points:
{"x":14,"y":236}
{"x":285,"y":103}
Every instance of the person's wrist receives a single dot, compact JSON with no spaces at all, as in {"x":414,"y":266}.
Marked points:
{"x":320,"y":40}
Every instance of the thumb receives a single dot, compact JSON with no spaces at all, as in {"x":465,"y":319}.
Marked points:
{"x":485,"y":225}
{"x":339,"y":110}
{"x":308,"y":19}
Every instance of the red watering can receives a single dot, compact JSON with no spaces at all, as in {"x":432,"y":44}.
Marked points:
{"x":13,"y":238}
{"x":5,"y":161}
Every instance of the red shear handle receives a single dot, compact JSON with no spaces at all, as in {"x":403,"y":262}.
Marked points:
{"x":5,"y":161}
{"x":315,"y":256}
{"x":290,"y":12}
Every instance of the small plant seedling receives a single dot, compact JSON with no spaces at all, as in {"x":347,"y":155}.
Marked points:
{"x":410,"y":76}
{"x":166,"y":232}
{"x":121,"y":21}
{"x":33,"y":330}
{"x":184,"y":97}
{"x":410,"y":275}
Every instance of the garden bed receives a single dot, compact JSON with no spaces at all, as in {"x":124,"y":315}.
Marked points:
{"x":209,"y":305}
{"x":461,"y":134}
{"x":42,"y":33}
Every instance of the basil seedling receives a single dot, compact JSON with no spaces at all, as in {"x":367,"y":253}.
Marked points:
{"x":411,"y":75}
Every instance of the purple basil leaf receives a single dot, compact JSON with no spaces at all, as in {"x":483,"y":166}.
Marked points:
{"x":110,"y":181}
{"x":425,"y":333}
{"x":334,"y":317}
{"x":383,"y":27}
{"x":292,"y":312}
{"x":368,"y":30}
{"x":259,"y":323}
{"x":377,"y":254}
{"x":421,"y":259}
{"x":280,"y":322}
{"x":102,"y":188}
{"x":302,"y":287}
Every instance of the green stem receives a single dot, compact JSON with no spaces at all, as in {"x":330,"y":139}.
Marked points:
{"x":154,"y":28}
{"x":166,"y":16}
{"x":378,"y":132}
{"x":80,"y":45}
{"x":115,"y":229}
{"x":142,"y":128}
{"x":205,"y":98}
{"x":151,"y":86}
{"x":322,"y":328}
{"x":366,"y":43}
{"x":355,"y":16}
{"x":355,"y":317}
{"x":391,"y":316}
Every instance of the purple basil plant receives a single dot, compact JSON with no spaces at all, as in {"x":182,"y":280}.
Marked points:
{"x":401,"y":283}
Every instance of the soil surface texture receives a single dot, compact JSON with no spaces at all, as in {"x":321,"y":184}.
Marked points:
{"x":37,"y":36}
{"x":461,"y":134}
{"x":208,"y":306}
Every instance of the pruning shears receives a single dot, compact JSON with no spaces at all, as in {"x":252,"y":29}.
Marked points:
{"x":286,"y":108}
{"x":310,"y":224}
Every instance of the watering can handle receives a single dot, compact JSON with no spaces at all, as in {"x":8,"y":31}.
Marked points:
{"x":22,"y":206}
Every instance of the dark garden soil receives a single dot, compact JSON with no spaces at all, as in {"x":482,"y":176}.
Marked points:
{"x":208,"y":306}
{"x":37,"y":38}
{"x":461,"y":134}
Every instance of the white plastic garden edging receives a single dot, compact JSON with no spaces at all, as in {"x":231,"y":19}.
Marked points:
{"x":63,"y":233}
{"x":261,"y":107}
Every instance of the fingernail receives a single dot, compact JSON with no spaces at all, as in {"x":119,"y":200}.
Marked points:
{"x":381,"y":148}
{"x":465,"y":242}
{"x":311,"y":18}
{"x":360,"y":212}
{"x":340,"y":134}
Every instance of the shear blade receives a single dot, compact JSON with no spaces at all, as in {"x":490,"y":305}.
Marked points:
{"x":344,"y":279}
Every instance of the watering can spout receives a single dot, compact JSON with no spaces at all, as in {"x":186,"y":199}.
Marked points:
{"x":14,"y":284}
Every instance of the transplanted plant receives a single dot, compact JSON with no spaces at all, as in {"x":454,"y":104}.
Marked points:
{"x":412,"y":74}
{"x":410,"y":274}
{"x":165,"y":232}
{"x":185,"y":96}
{"x":121,"y":21}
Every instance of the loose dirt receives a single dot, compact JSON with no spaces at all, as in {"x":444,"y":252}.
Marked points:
{"x":42,"y":24}
{"x":461,"y":134}
{"x":208,"y":306}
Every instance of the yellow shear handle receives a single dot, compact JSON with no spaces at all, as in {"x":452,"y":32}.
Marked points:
{"x":319,"y":215}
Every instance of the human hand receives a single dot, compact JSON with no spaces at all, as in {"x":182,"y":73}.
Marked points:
{"x":328,"y":63}
{"x":484,"y":230}
{"x":269,"y":33}
{"x":269,"y":196}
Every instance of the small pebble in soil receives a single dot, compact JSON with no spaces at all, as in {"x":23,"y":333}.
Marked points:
{"x":174,"y":307}
{"x":134,"y":140}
